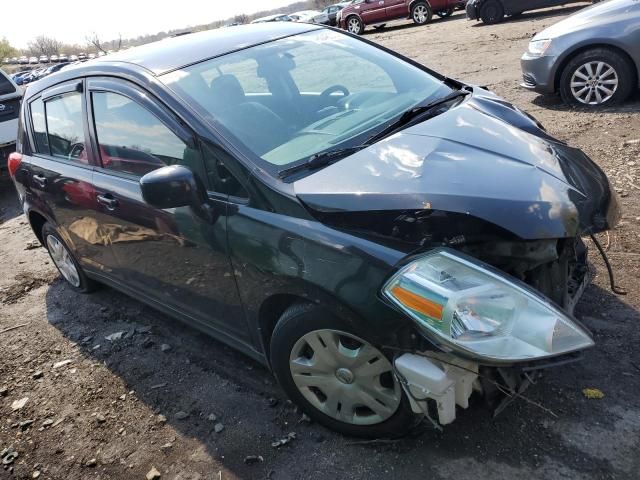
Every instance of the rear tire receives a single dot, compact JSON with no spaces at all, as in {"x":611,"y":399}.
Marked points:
{"x":492,"y":12}
{"x":421,"y":13}
{"x":355,"y":25}
{"x":65,"y":262}
{"x":610,"y":82}
{"x":332,"y":388}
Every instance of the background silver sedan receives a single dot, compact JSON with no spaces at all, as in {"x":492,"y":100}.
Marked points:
{"x":592,"y":57}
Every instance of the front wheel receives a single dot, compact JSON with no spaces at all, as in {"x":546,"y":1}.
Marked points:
{"x":337,"y":377}
{"x":492,"y":12}
{"x":597,"y":77}
{"x":355,"y":25}
{"x":445,"y":13}
{"x":65,"y":262}
{"x":421,"y":13}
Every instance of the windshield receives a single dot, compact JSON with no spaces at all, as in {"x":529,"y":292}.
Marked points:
{"x":300,"y":96}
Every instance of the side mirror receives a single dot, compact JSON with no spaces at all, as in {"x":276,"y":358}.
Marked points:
{"x":171,"y":187}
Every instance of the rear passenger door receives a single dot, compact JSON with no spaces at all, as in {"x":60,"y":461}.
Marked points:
{"x":59,"y":183}
{"x":396,"y":9}
{"x":175,"y":257}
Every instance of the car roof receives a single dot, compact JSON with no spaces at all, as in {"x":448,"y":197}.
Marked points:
{"x":175,"y":52}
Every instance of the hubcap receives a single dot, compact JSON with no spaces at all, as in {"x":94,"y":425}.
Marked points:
{"x":354,"y":25}
{"x":420,"y":14}
{"x":594,"y":83}
{"x":344,"y":377}
{"x":62,"y":259}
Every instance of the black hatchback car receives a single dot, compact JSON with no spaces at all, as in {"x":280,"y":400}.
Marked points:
{"x":381,"y":236}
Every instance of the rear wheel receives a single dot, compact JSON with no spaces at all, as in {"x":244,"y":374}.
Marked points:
{"x":64,"y":261}
{"x":597,"y":77}
{"x":421,"y":13}
{"x":355,"y":25}
{"x":337,"y":377}
{"x":492,"y":12}
{"x":445,"y":13}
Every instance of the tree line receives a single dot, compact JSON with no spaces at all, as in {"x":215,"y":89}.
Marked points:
{"x":46,"y":45}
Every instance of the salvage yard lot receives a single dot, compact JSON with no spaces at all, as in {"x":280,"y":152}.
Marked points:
{"x":163,"y":396}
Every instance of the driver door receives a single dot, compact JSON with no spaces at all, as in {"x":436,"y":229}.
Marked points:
{"x":373,"y":11}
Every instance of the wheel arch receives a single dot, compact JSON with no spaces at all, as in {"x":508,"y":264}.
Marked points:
{"x":37,"y":221}
{"x":413,"y":2}
{"x":581,"y":48}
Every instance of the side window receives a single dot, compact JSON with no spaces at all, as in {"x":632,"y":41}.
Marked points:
{"x":132,"y":140}
{"x":39,"y":127}
{"x":64,"y":125}
{"x":220,"y":178}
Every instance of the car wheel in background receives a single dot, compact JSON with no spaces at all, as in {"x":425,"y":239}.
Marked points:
{"x":355,"y":25}
{"x":597,"y":77}
{"x":336,"y":377}
{"x":491,"y":12}
{"x":445,"y":13}
{"x":421,"y":13}
{"x":65,"y":262}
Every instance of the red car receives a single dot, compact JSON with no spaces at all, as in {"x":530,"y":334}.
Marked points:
{"x":360,"y":13}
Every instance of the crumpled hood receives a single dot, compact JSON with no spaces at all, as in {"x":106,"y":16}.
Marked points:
{"x":473,"y":159}
{"x":598,"y":14}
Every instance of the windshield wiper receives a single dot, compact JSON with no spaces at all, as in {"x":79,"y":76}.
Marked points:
{"x":320,"y":160}
{"x":414,"y":112}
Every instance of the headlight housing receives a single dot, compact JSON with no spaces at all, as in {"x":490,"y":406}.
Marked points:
{"x":537,"y":48}
{"x":473,"y":308}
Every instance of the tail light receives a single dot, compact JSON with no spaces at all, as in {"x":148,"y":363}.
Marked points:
{"x":15,"y":159}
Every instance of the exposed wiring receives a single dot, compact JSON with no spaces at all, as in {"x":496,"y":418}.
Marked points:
{"x":504,"y":389}
{"x":614,"y":288}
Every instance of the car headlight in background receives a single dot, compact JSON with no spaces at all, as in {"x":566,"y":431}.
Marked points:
{"x":537,"y":48}
{"x":472,"y":308}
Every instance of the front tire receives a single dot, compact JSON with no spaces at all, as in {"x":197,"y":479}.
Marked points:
{"x":355,"y":25}
{"x":421,"y":13}
{"x":65,"y":262}
{"x":597,"y":77}
{"x":492,"y":12}
{"x":336,"y":377}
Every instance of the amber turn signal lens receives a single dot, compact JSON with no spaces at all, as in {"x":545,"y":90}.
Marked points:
{"x":417,"y":303}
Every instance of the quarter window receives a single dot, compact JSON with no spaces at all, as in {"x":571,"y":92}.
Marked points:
{"x":132,"y":140}
{"x":39,"y":127}
{"x":65,"y":128}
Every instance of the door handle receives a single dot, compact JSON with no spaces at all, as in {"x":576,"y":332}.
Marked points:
{"x":108,"y":201}
{"x":40,"y":181}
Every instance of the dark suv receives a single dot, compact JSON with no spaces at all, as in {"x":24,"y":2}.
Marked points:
{"x":379,"y":236}
{"x":360,"y":13}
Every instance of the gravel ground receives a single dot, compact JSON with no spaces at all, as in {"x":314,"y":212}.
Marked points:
{"x":166,"y":397}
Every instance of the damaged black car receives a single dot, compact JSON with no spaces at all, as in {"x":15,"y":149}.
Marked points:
{"x":389,"y":241}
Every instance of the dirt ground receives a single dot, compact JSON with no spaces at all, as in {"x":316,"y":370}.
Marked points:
{"x":164,"y":396}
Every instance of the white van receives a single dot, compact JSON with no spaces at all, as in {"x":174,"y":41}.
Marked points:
{"x":10,"y":96}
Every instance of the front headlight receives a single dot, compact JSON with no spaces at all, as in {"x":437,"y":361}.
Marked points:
{"x":480,"y":311}
{"x":537,"y":48}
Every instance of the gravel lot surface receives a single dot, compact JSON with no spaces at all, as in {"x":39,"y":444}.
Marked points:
{"x":166,"y":397}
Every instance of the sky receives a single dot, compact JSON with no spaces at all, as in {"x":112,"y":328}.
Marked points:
{"x":71,"y":21}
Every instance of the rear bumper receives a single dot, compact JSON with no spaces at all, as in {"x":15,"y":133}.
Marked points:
{"x":538,"y":73}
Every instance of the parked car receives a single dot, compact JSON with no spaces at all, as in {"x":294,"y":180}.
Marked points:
{"x":23,"y":60}
{"x":43,"y":59}
{"x":33,"y":60}
{"x":63,"y":58}
{"x":54,"y":59}
{"x":494,"y":11}
{"x":361,"y":13}
{"x":10,"y":96}
{"x":310,"y":16}
{"x":591,"y":57}
{"x":273,"y":18}
{"x":73,"y":58}
{"x":343,"y":226}
{"x":332,"y":12}
{"x":14,"y":60}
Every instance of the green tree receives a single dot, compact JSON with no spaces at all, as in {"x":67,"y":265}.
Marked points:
{"x":6,"y":50}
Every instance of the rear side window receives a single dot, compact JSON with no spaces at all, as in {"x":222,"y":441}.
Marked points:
{"x":132,"y":140}
{"x":64,"y":122}
{"x":39,"y":127}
